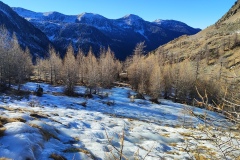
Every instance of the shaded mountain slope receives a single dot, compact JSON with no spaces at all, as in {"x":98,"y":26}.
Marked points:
{"x":88,"y":29}
{"x":28,"y":35}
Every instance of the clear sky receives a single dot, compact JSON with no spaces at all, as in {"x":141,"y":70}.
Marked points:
{"x":196,"y":13}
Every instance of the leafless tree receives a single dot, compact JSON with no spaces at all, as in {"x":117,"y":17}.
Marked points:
{"x":55,"y":65}
{"x":69,"y":71}
{"x":24,"y":66}
{"x":155,"y":84}
{"x":108,"y":68}
{"x":92,"y":73}
{"x":81,"y":62}
{"x":134,"y":70}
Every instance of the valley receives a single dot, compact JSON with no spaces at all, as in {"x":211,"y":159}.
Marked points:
{"x":83,"y":86}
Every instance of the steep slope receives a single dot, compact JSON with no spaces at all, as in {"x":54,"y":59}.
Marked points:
{"x":218,"y":45}
{"x":88,"y":29}
{"x":28,"y":35}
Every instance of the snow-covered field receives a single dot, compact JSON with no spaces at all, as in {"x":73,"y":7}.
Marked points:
{"x":88,"y":128}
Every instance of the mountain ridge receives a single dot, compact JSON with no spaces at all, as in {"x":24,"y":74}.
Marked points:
{"x":216,"y":48}
{"x":26,"y":33}
{"x":121,"y":34}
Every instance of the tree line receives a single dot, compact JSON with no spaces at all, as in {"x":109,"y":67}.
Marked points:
{"x":15,"y":63}
{"x":185,"y":80}
{"x":16,"y":66}
{"x":73,"y":69}
{"x":157,"y":74}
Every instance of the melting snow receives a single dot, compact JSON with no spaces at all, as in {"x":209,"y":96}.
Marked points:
{"x":66,"y":126}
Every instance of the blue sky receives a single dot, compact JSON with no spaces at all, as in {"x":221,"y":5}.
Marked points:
{"x":196,"y":13}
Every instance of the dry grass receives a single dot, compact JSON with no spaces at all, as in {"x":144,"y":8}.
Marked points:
{"x":165,"y":134}
{"x":3,"y":158}
{"x":130,"y":119}
{"x":2,"y":130}
{"x":57,"y":157}
{"x":74,"y":150}
{"x":186,"y":134}
{"x":215,"y":44}
{"x":35,"y":115}
{"x":44,"y":132}
{"x":172,"y":153}
{"x":173,"y":144}
{"x":200,"y":157}
{"x":4,"y":120}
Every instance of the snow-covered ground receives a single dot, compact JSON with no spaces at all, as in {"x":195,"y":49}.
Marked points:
{"x":88,"y":128}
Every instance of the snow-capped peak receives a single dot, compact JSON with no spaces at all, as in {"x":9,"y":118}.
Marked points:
{"x":48,"y":13}
{"x":158,"y":21}
{"x":27,"y":14}
{"x":89,"y":16}
{"x":132,"y":17}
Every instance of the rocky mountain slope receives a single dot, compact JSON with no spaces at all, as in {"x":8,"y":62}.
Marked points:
{"x":87,"y":29}
{"x":217,"y":46}
{"x":28,"y":35}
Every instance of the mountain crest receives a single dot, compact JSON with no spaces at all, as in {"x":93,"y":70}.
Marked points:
{"x":132,"y":17}
{"x":158,"y":21}
{"x":88,"y":29}
{"x":232,"y":15}
{"x":89,"y":16}
{"x":52,"y":13}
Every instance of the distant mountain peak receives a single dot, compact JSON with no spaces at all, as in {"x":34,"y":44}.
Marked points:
{"x":51,"y":13}
{"x":158,"y":21}
{"x":89,"y":15}
{"x":132,"y":17}
{"x":89,"y":29}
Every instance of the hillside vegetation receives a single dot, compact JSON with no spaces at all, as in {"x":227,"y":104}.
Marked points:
{"x":211,"y":55}
{"x":78,"y":112}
